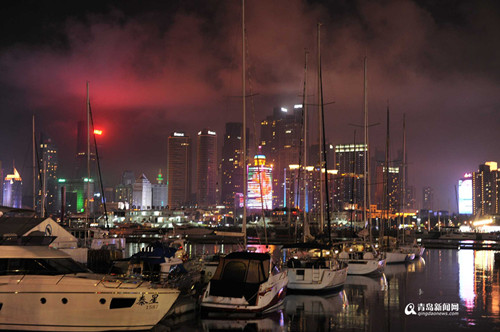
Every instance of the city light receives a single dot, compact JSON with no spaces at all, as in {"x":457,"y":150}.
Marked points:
{"x":97,"y":132}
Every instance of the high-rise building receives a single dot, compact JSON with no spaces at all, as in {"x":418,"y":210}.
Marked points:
{"x":124,"y":190}
{"x":349,"y":182}
{"x":260,"y":185}
{"x":13,"y":190}
{"x":206,"y":168}
{"x":141,"y":198}
{"x":428,"y":198}
{"x":178,"y":169}
{"x":280,"y":139}
{"x":486,"y":186}
{"x":81,"y":152}
{"x":160,"y":192}
{"x":48,"y":172}
{"x":75,"y":191}
{"x":232,"y":164}
{"x":1,"y":178}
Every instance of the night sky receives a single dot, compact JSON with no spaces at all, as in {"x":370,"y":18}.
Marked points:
{"x":159,"y":66}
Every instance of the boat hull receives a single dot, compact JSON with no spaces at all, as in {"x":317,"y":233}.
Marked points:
{"x":304,"y":279}
{"x":364,"y":266}
{"x":269,"y":296}
{"x":64,"y":303}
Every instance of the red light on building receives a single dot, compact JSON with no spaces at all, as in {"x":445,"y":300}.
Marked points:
{"x":97,"y":132}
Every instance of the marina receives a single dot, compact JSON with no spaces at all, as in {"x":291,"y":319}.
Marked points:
{"x":461,"y":286}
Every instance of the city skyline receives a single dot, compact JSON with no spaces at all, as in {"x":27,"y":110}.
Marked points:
{"x":155,"y":69}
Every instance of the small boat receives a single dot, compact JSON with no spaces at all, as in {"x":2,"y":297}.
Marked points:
{"x":361,"y":257}
{"x":393,"y":253}
{"x":312,"y":267}
{"x":245,"y":282}
{"x":417,"y":250}
{"x":44,"y":289}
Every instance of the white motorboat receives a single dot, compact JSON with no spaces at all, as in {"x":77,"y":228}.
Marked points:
{"x":245,"y":282}
{"x":43,"y":289}
{"x":361,"y":257}
{"x":312,"y":267}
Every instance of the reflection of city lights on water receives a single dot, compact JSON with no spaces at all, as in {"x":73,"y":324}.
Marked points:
{"x":466,"y":276}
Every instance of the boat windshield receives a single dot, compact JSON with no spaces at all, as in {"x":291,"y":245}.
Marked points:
{"x":40,"y":266}
{"x":239,"y":270}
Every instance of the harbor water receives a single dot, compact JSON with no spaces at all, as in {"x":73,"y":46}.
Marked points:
{"x":445,"y":290}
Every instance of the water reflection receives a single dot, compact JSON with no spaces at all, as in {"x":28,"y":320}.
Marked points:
{"x":470,"y":279}
{"x":314,"y":313}
{"x":269,"y":323}
{"x":479,"y":286}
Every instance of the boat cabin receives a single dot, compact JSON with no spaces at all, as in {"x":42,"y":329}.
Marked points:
{"x":240,"y":274}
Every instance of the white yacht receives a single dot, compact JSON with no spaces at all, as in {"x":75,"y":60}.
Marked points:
{"x":245,"y":282}
{"x":312,"y":267}
{"x":44,"y":289}
{"x":361,"y":257}
{"x":394,"y":254}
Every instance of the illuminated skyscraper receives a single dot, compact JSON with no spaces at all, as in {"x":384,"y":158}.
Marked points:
{"x":123,"y":191}
{"x":349,"y":182}
{"x":206,"y":168}
{"x":81,"y":152}
{"x":160,"y":192}
{"x":260,"y":188}
{"x":486,"y":186}
{"x":280,"y":139}
{"x":142,"y":195}
{"x":178,"y":169}
{"x":13,"y":190}
{"x":231,"y":164}
{"x":48,"y":167}
{"x":428,"y":198}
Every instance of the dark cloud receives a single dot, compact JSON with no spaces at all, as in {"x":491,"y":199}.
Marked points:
{"x":155,"y":67}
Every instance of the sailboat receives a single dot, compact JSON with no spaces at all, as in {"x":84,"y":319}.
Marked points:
{"x":410,"y":248}
{"x":388,"y":245}
{"x":361,"y":257}
{"x":245,"y":281}
{"x":312,"y":266}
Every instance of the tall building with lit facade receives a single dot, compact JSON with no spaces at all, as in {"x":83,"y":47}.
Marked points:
{"x":73,"y":193}
{"x":260,"y":185}
{"x":350,"y":161}
{"x":280,"y":139}
{"x":2,"y":178}
{"x":428,"y":198}
{"x":13,"y":190}
{"x":486,"y":186}
{"x":206,"y":168}
{"x":178,"y":169}
{"x":142,"y":194}
{"x":81,"y":152}
{"x":48,"y":168}
{"x":124,"y":190}
{"x":160,"y":192}
{"x":231,"y":166}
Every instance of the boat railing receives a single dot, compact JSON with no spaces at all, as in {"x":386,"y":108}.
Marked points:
{"x":127,"y":283}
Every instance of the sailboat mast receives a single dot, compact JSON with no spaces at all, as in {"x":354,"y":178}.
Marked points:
{"x":386,"y":182}
{"x":34,"y":163}
{"x":365,"y":127}
{"x":403,"y":177}
{"x":320,"y":137}
{"x":304,"y":115}
{"x":244,"y":134}
{"x":88,"y":163}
